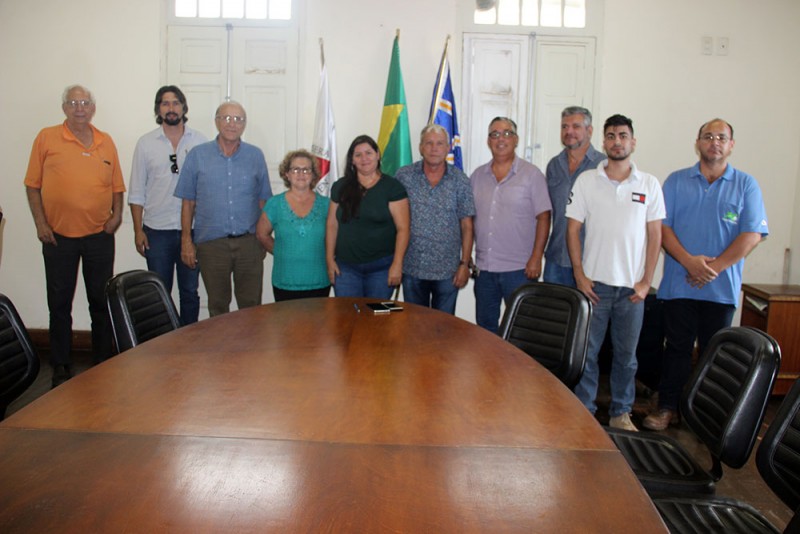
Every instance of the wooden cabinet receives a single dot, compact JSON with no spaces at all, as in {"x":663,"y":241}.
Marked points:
{"x":775,"y":309}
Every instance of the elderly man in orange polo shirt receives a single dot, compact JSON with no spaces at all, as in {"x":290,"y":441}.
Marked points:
{"x":75,"y":187}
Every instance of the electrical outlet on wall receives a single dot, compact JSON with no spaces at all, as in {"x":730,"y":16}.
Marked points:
{"x":723,"y":44}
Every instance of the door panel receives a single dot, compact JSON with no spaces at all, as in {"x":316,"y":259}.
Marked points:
{"x":495,"y":84}
{"x":564,"y":76}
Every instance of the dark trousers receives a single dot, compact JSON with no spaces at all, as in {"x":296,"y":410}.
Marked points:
{"x":96,"y":254}
{"x":684,"y":321}
{"x":282,"y":295}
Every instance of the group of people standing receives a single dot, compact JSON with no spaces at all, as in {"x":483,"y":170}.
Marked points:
{"x":611,"y":221}
{"x":205,"y":208}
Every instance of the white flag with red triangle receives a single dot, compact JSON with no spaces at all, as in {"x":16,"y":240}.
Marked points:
{"x":324,"y":143}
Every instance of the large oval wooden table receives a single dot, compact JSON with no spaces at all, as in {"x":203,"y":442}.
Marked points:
{"x":309,"y":416}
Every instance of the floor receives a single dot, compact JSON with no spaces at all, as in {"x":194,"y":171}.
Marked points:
{"x":743,"y":484}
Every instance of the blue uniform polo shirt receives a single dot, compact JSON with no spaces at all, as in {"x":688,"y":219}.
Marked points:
{"x":707,"y":218}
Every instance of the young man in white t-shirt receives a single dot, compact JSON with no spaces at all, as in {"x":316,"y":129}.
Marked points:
{"x":622,"y":209}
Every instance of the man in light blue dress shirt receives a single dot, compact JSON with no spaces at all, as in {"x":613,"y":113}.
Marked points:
{"x":224,"y":185}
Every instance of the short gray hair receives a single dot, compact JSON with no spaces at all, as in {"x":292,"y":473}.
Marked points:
{"x":434,"y":128}
{"x":578,"y":110}
{"x":70,"y":88}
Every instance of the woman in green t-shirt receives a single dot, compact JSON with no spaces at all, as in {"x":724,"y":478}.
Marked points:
{"x":368,"y":226}
{"x":297,"y":219}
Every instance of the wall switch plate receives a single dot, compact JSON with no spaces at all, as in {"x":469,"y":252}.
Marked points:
{"x":707,"y":45}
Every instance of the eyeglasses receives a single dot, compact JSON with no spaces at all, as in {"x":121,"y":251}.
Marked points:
{"x":710,"y":138}
{"x":231,"y":119}
{"x":504,"y":133}
{"x":174,"y":159}
{"x":300,"y":170}
{"x":76,"y":103}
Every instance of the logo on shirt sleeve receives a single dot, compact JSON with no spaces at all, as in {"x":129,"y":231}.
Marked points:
{"x":638,"y":197}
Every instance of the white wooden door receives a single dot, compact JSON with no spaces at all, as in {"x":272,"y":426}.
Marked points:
{"x":259,"y":67}
{"x":563,"y":76}
{"x":495,"y":84}
{"x":529,"y":79}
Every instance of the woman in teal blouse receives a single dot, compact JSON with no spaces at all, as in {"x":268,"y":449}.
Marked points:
{"x":297,"y":219}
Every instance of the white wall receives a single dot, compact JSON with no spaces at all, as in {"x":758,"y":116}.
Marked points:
{"x":654,"y":72}
{"x":650,"y":66}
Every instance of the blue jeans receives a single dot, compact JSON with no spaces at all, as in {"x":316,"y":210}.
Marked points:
{"x":490,"y":289}
{"x":369,"y":279}
{"x":626,"y":323}
{"x":437,"y":294}
{"x":556,"y":274}
{"x":164,"y":258}
{"x":684,"y":321}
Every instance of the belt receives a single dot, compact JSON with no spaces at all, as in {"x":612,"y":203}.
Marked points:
{"x":237,"y":236}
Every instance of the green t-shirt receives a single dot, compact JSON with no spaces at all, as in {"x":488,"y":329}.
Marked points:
{"x":370,"y":235}
{"x":299,"y":245}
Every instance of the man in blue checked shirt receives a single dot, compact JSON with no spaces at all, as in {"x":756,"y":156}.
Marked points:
{"x":224,"y":185}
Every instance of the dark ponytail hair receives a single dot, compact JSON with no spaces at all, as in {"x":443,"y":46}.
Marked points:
{"x":350,"y":196}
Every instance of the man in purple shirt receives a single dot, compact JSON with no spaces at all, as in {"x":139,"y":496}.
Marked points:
{"x":512,"y":221}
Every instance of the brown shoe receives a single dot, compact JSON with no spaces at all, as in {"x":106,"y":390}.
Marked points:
{"x":624,"y":422}
{"x":661,"y":419}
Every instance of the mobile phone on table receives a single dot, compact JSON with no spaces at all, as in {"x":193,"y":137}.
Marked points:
{"x":384,"y":307}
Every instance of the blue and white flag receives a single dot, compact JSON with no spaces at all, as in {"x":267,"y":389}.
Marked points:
{"x":443,"y":110}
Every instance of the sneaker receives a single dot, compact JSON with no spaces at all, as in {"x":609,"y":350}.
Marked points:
{"x":661,"y":419}
{"x":623,"y":422}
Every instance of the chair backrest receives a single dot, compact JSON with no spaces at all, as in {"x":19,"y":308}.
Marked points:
{"x":550,"y":323}
{"x":778,"y":456}
{"x":140,"y":308}
{"x":727,"y":396}
{"x":19,"y":363}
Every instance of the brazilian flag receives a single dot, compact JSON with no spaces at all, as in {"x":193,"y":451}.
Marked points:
{"x":393,"y":139}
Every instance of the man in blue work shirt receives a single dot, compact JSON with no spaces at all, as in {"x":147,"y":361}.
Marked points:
{"x":715,"y":217}
{"x":224,"y":185}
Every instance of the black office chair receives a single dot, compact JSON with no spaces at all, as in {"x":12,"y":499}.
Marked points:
{"x":550,"y":323}
{"x":19,"y":363}
{"x":140,"y":308}
{"x":778,"y":462}
{"x":723,"y":405}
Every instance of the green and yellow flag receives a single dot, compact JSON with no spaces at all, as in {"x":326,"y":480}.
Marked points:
{"x":394,"y":139}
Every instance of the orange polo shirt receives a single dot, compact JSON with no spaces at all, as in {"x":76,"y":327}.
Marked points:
{"x":77,"y":183}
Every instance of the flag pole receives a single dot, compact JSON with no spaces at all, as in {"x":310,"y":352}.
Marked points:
{"x":439,"y":81}
{"x":321,"y":52}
